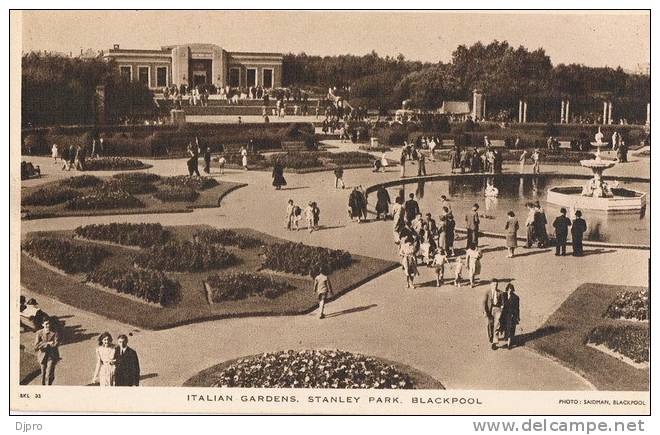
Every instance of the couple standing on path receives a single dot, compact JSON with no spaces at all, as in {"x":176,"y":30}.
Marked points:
{"x":502,"y":309}
{"x":116,"y":365}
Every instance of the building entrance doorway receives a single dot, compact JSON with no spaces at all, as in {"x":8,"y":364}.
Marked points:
{"x":251,"y":77}
{"x":199,"y":78}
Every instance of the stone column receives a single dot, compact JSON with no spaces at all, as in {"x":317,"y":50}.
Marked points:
{"x":525,"y":112}
{"x":567,"y":112}
{"x":483,"y":107}
{"x":520,"y":111}
{"x":477,"y":105}
{"x":609,"y":113}
{"x":604,"y":112}
{"x":561,"y":117}
{"x":648,"y":113}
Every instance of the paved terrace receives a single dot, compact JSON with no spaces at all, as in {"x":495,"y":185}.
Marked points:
{"x":439,"y":331}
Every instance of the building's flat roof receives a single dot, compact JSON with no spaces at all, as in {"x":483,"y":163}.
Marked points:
{"x":129,"y":50}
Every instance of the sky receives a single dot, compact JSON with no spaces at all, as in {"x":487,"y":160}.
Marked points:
{"x":593,"y":39}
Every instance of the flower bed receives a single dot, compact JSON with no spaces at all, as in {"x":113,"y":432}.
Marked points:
{"x":81,"y":181}
{"x":113,"y":164}
{"x":184,"y":257}
{"x":49,"y":196}
{"x":64,"y":254}
{"x":297,"y":160}
{"x":195,"y":183}
{"x":102,"y":199}
{"x":632,"y":341}
{"x":630,"y":305}
{"x":240,"y":285}
{"x":375,"y":149}
{"x":133,"y":183}
{"x":312,"y":369}
{"x":228,"y":238}
{"x":349,"y":158}
{"x":149,"y":285}
{"x":176,"y":194}
{"x":300,"y":259}
{"x":125,"y":234}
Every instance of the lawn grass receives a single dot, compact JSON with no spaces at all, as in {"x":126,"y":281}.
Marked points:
{"x":564,"y":336}
{"x":29,"y":368}
{"x":207,"y":198}
{"x":193,"y":306}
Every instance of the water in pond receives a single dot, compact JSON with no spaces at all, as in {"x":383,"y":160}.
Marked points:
{"x":514,"y":192}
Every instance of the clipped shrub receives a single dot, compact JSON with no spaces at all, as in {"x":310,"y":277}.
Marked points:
{"x":300,"y":259}
{"x":240,"y":285}
{"x":297,"y":160}
{"x":150,"y":285}
{"x":228,"y":238}
{"x":125,"y":233}
{"x":64,"y":254}
{"x":176,"y":194}
{"x":49,"y":196}
{"x":184,"y":257}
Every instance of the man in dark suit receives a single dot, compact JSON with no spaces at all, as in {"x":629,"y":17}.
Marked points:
{"x":411,"y":207}
{"x":472,"y":225}
{"x":577,"y":231}
{"x":46,"y":345}
{"x":561,"y":225}
{"x":127,"y":365}
{"x":493,"y":301}
{"x":510,"y":314}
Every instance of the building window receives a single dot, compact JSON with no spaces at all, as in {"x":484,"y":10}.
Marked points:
{"x":143,"y":75}
{"x":251,"y":77}
{"x":234,"y":77}
{"x":126,"y":73}
{"x":268,"y":78}
{"x":161,"y":76}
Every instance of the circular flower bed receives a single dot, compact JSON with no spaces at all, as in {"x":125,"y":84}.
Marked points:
{"x":81,"y":181}
{"x":194,"y":183}
{"x":311,"y":369}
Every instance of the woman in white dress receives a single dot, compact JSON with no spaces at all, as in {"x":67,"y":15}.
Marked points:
{"x":104,"y":373}
{"x":473,"y":262}
{"x":55,"y":152}
{"x":244,"y":159}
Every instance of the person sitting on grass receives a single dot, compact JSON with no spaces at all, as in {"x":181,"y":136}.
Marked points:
{"x":322,"y":287}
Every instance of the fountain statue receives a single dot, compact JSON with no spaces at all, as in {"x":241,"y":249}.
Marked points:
{"x":598,"y":194}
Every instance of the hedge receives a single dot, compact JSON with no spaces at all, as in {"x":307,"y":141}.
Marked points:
{"x":125,"y":233}
{"x":149,"y":285}
{"x":64,"y":254}
{"x":301,"y":259}
{"x":240,"y":285}
{"x":112,"y":164}
{"x":184,"y":257}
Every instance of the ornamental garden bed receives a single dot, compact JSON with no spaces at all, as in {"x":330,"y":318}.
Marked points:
{"x":581,"y":323}
{"x":313,"y":369}
{"x":125,"y":193}
{"x":114,"y":164}
{"x":180,"y":297}
{"x":300,"y":162}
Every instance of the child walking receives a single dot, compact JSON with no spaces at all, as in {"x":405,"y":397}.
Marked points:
{"x":458,"y":268}
{"x":439,"y":261}
{"x":322,"y":287}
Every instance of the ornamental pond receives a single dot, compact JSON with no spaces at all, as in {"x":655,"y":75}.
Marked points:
{"x":515,"y":191}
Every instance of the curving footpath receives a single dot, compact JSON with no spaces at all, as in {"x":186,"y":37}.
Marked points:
{"x":439,"y":331}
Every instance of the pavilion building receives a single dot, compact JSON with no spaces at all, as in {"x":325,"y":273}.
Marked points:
{"x":197,"y":64}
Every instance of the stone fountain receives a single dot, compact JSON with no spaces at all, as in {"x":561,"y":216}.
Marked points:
{"x":598,"y":194}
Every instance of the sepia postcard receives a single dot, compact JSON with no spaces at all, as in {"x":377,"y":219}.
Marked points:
{"x":330,"y":212}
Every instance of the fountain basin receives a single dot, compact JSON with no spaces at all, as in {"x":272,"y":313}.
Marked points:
{"x":623,"y":200}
